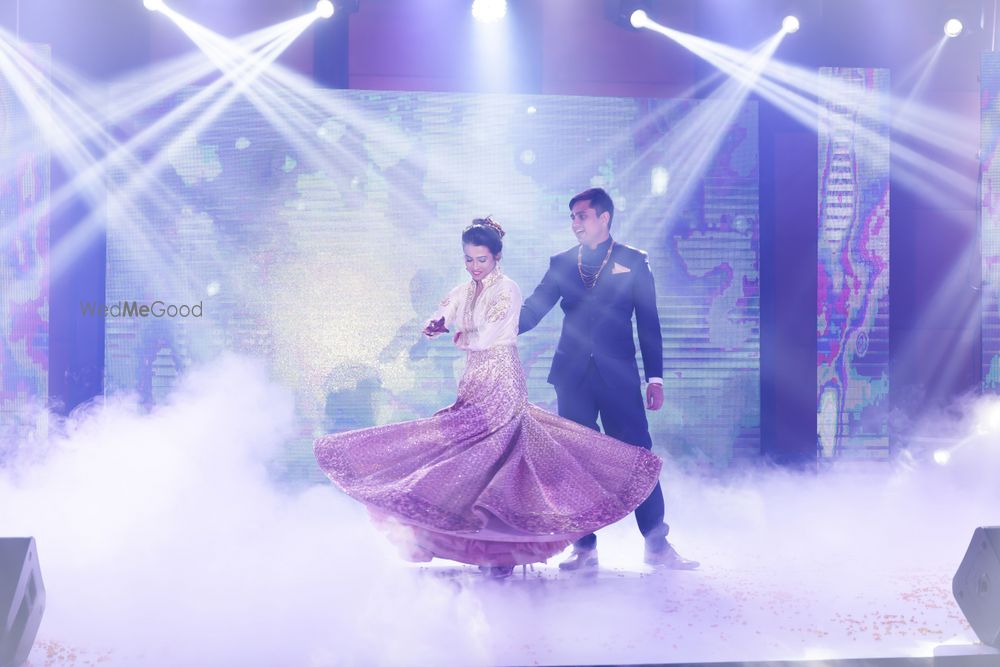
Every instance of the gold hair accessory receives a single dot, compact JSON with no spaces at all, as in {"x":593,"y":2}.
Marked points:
{"x":488,"y":221}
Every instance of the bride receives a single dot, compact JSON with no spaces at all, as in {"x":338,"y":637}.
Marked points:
{"x":491,"y":480}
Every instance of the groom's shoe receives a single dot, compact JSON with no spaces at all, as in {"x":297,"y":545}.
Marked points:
{"x":580,"y":560}
{"x":660,"y":553}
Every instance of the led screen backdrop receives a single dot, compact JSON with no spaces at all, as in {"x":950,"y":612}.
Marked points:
{"x":324,"y":245}
{"x":24,"y":282}
{"x":990,"y":220}
{"x":853,"y":265}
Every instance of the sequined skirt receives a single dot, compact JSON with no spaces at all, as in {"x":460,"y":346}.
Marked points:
{"x":491,"y":479}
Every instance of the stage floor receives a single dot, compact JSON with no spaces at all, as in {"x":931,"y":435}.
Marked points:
{"x":765,"y":610}
{"x":737,"y":607}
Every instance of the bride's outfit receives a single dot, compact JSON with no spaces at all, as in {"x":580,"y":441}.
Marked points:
{"x":492,"y":479}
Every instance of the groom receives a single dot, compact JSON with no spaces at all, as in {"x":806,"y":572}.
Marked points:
{"x":600,"y":284}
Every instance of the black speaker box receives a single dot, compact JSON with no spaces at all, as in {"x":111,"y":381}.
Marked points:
{"x":22,"y":599}
{"x":977,"y":584}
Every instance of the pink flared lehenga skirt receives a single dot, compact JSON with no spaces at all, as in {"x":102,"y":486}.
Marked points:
{"x":492,"y":479}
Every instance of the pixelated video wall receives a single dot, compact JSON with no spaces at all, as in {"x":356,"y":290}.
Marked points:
{"x":321,"y":240}
{"x":852,"y":363}
{"x":990,"y":219}
{"x":24,"y":278}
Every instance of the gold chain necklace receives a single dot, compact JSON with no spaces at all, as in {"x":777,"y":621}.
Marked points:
{"x":589,"y":282}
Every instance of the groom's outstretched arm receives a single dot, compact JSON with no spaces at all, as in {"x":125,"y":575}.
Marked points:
{"x":540,"y":302}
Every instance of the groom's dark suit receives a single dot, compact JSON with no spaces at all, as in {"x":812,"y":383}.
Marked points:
{"x":594,"y":370}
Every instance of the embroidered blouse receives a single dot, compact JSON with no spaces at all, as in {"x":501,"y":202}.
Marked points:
{"x":487,"y":321}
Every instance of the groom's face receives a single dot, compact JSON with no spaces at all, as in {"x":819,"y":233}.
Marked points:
{"x":588,"y":227}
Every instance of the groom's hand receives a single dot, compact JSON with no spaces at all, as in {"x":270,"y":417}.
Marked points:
{"x":654,"y":396}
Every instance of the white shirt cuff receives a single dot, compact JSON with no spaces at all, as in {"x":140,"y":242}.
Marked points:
{"x":655,"y":380}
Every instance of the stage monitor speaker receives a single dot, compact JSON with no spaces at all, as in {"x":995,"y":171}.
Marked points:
{"x":976,"y":585}
{"x":22,"y":599}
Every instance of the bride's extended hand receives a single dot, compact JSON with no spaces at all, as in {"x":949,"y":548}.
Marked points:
{"x":435,"y":327}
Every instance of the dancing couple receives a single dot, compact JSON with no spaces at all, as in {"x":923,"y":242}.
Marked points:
{"x":494,"y":480}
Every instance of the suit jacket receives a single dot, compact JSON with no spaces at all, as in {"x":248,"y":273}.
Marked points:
{"x":598,"y":322}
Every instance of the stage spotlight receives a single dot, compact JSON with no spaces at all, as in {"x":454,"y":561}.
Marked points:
{"x":629,"y":14}
{"x":639,"y":19}
{"x":942,"y":456}
{"x":324,"y":9}
{"x":489,"y":11}
{"x":953,"y":28}
{"x":153,"y":5}
{"x":659,"y":181}
{"x":790,"y":24}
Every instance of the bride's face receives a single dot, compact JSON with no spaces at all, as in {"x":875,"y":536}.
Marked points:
{"x":479,"y":261}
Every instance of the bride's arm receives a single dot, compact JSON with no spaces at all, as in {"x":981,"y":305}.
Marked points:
{"x":443,"y":318}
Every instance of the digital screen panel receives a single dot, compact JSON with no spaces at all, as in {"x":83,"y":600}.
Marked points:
{"x":24,"y":253}
{"x":321,"y":241}
{"x":990,"y":219}
{"x":852,"y":363}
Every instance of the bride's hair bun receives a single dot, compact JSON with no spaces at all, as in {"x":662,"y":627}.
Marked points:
{"x":490,"y":223}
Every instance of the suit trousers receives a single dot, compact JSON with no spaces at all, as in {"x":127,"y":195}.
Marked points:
{"x":623,"y":414}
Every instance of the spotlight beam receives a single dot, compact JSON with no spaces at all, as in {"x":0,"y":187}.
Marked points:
{"x":77,"y":157}
{"x":47,"y":107}
{"x":85,"y":150}
{"x":920,"y":67}
{"x":923,"y":123}
{"x":911,"y":169}
{"x":918,"y":123}
{"x":91,"y":170}
{"x":228,"y":55}
{"x":615,"y":143}
{"x":99,"y":151}
{"x":137,"y":93}
{"x":778,"y":82}
{"x":201,"y":99}
{"x":697,"y":137}
{"x":245,"y":76}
